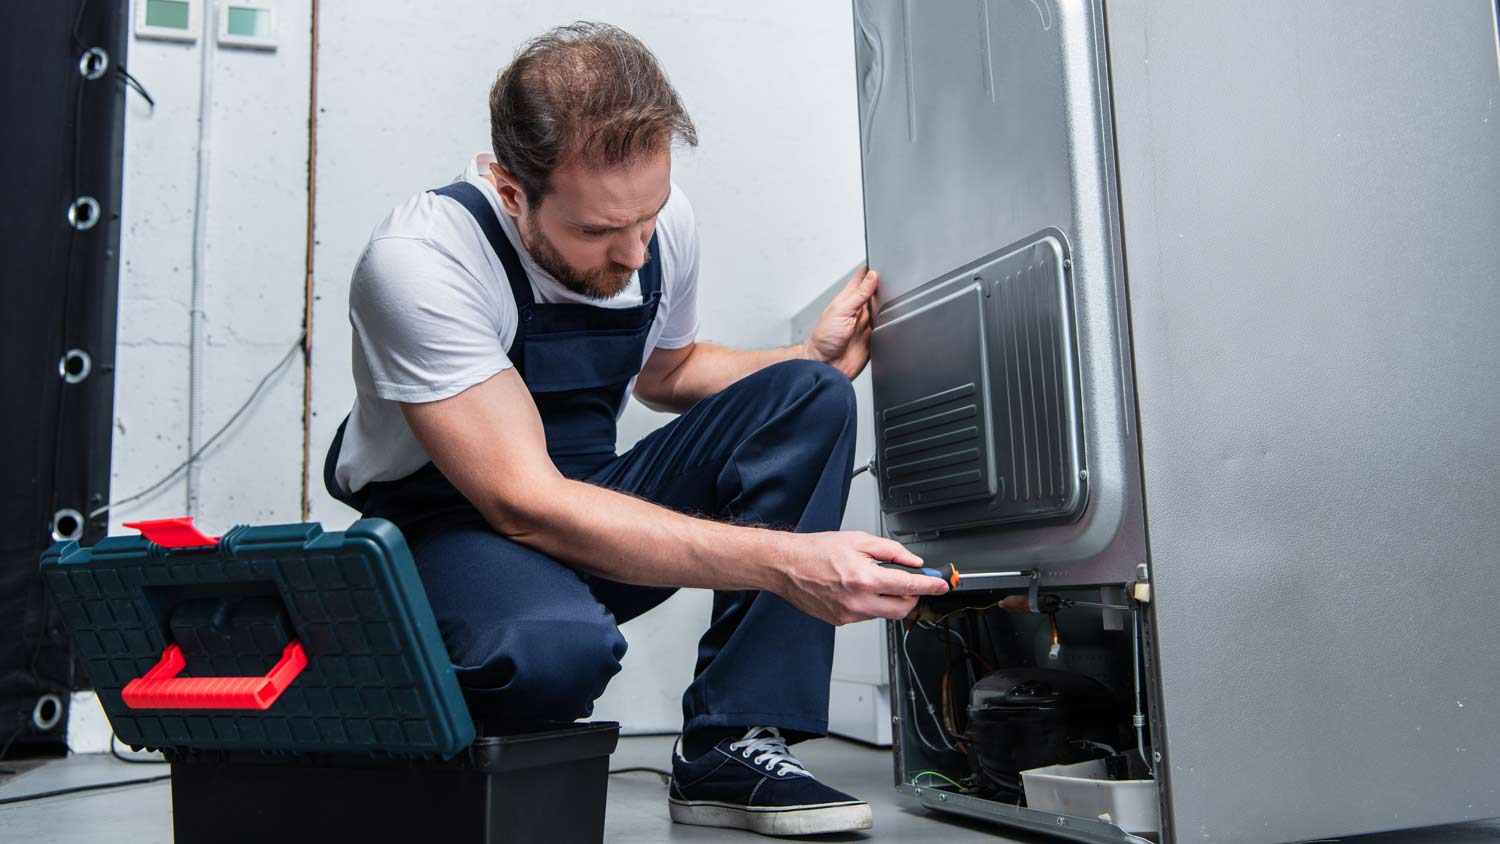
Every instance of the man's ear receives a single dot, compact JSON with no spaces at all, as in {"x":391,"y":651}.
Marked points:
{"x":512,"y":197}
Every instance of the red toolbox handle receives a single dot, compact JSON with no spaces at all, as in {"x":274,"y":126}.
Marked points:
{"x":174,"y":533}
{"x":161,"y":688}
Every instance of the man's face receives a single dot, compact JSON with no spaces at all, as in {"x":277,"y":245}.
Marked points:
{"x":590,"y":232}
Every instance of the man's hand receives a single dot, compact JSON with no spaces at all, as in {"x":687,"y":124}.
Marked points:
{"x":842,"y":336}
{"x":834,"y":577}
{"x":674,"y":379}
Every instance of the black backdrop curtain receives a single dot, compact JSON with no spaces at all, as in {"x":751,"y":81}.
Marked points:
{"x":61,"y":141}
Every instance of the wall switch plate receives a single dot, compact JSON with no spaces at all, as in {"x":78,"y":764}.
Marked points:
{"x":168,"y":20}
{"x":248,"y":25}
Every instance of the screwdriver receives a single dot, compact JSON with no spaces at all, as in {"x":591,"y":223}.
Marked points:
{"x":946,"y":572}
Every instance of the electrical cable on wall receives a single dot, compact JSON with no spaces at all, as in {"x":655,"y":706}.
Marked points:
{"x":135,"y":85}
{"x":240,"y":411}
{"x":196,"y":341}
{"x":119,"y":63}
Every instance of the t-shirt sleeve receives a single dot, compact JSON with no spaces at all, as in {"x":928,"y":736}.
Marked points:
{"x":681,"y":226}
{"x":424,"y":326}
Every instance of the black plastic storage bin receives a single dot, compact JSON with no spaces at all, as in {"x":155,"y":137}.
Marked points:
{"x":532,"y":787}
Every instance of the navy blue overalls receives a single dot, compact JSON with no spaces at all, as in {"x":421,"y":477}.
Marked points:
{"x":533,"y":640}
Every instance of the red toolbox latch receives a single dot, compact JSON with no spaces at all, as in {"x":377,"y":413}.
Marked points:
{"x":174,"y":533}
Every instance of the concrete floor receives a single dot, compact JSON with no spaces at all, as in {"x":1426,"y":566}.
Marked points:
{"x":637,"y":811}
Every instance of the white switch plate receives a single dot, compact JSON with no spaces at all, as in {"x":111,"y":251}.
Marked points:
{"x":233,"y":11}
{"x":143,"y":29}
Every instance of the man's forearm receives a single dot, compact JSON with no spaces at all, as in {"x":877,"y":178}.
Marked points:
{"x":709,"y":368}
{"x":602,"y":532}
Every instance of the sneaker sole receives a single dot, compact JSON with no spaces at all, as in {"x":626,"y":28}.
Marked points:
{"x":783,"y":822}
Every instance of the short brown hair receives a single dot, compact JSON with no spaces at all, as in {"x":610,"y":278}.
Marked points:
{"x":589,"y":91}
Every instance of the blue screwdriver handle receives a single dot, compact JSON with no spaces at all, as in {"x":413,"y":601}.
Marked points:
{"x":945,"y":572}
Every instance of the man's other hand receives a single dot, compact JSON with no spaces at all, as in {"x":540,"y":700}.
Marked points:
{"x":842,"y":336}
{"x":834,"y":577}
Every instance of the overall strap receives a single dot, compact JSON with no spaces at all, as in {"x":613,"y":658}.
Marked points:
{"x":650,"y":273}
{"x":473,"y":201}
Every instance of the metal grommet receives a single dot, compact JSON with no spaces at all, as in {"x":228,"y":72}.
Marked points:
{"x":74,"y":366}
{"x":67,"y":525}
{"x":93,"y":63}
{"x":83,"y":214}
{"x":47,"y":712}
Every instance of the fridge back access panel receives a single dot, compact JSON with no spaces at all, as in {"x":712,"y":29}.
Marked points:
{"x":978,"y":419}
{"x":1003,"y":397}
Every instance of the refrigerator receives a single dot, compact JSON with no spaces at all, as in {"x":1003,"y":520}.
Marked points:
{"x":1187,"y":355}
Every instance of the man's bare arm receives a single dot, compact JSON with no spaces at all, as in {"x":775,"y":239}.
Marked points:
{"x":488,"y":440}
{"x":674,"y":379}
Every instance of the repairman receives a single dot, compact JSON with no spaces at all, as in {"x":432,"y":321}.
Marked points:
{"x":500,"y":324}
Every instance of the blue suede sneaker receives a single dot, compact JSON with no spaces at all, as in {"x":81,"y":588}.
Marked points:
{"x":755,"y":783}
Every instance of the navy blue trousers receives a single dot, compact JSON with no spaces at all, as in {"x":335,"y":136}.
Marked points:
{"x":533,"y":640}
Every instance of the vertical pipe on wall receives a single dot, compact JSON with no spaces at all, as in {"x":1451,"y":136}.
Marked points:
{"x":200,"y":254}
{"x":307,"y":305}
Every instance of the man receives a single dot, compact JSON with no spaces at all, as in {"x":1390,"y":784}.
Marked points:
{"x":500,"y":323}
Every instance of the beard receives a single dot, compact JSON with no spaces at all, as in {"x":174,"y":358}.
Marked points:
{"x":598,"y":285}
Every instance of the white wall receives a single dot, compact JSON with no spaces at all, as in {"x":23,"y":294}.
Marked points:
{"x":402,"y":103}
{"x":257,"y":222}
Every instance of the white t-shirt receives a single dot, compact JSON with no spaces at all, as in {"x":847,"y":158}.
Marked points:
{"x":433,"y":314}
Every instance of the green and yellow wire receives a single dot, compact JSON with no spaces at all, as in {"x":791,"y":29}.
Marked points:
{"x":918,"y":775}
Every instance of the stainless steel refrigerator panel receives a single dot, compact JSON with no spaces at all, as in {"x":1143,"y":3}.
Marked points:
{"x":963,"y":132}
{"x":982,"y":125}
{"x":1311,"y":196}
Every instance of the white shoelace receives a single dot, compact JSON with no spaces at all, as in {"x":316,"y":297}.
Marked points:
{"x":769,"y":750}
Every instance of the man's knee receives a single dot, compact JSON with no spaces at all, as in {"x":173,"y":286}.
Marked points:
{"x":818,"y":391}
{"x":546,"y":670}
